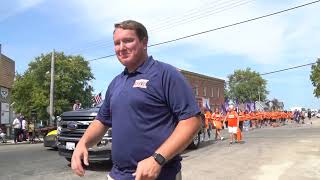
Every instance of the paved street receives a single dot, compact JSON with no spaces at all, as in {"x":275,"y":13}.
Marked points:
{"x":35,"y":162}
{"x":288,"y":153}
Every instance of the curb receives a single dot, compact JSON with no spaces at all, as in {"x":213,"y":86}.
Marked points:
{"x":11,"y":142}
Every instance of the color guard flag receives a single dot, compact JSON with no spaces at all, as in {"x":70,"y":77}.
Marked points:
{"x":98,"y":98}
{"x":223,"y":109}
{"x":226,"y":104}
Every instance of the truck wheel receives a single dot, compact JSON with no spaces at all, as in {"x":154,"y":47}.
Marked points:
{"x":68,"y":159}
{"x":195,"y":142}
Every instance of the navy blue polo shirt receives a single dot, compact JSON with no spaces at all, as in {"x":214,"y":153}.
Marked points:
{"x":143,"y":109}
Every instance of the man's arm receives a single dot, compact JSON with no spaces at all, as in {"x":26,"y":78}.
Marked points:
{"x":93,"y":134}
{"x":176,"y":143}
{"x":238,"y":121}
{"x":224,"y":121}
{"x":15,"y":122}
{"x":180,"y":138}
{"x":91,"y":137}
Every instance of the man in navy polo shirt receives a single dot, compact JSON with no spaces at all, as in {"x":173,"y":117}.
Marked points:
{"x":151,"y":109}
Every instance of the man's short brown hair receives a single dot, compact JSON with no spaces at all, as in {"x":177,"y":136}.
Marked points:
{"x":139,"y":28}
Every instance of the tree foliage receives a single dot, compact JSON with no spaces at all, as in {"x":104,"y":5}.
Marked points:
{"x":246,"y":85}
{"x":315,"y":78}
{"x":31,"y":90}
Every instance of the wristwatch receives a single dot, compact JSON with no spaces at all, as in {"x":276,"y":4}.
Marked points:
{"x":159,"y":158}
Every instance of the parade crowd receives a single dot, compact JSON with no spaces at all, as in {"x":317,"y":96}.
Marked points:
{"x":237,"y":121}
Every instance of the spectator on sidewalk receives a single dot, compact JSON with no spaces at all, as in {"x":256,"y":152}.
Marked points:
{"x":31,"y":131}
{"x":2,"y":134}
{"x":16,"y":124}
{"x":310,"y":116}
{"x":24,"y":129}
{"x":302,"y":116}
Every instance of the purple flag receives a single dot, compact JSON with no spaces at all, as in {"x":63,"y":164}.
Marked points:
{"x":223,"y":110}
{"x":248,"y":109}
{"x":237,"y":105}
{"x":226,"y":104}
{"x":252,"y":106}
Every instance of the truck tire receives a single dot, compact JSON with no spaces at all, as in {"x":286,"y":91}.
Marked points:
{"x":195,"y":142}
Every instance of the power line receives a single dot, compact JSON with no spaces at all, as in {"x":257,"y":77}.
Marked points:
{"x":171,"y":22}
{"x":169,"y":19}
{"x":111,"y":55}
{"x":234,"y":24}
{"x":286,"y":69}
{"x":281,"y":70}
{"x":209,"y":11}
{"x":222,"y":27}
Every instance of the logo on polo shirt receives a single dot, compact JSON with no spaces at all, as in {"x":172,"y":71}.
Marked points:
{"x":140,"y":83}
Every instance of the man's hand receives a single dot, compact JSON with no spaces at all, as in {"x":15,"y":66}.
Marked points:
{"x":147,"y":169}
{"x":80,"y":154}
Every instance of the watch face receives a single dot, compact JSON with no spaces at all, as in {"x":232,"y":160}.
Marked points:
{"x":159,"y":158}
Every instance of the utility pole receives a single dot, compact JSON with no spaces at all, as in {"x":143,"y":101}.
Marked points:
{"x":259,"y":93}
{"x":51,"y":90}
{"x":0,"y":52}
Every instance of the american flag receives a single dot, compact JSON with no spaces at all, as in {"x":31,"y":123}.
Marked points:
{"x":98,"y":98}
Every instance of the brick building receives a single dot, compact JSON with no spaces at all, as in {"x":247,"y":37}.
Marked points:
{"x":208,"y":90}
{"x":7,"y":70}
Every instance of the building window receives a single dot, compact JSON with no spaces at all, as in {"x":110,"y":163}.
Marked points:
{"x":205,"y":91}
{"x":218,"y":92}
{"x":195,"y":90}
{"x":212,"y":92}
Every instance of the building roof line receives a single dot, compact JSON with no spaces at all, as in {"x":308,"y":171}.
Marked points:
{"x":4,"y":57}
{"x":200,"y":75}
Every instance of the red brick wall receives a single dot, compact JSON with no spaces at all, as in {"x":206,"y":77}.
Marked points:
{"x":7,"y":70}
{"x":214,"y":88}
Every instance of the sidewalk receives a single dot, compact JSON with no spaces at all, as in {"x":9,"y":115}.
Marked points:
{"x":11,"y":142}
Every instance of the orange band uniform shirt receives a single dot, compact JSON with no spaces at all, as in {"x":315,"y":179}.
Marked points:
{"x":207,"y":119}
{"x":232,"y":118}
{"x":242,"y":116}
{"x":216,"y":119}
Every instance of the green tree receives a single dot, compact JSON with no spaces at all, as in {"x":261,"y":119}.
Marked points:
{"x":246,"y":85}
{"x":31,"y":90}
{"x":315,"y":78}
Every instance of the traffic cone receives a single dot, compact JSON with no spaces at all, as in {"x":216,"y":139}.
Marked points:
{"x":239,"y":135}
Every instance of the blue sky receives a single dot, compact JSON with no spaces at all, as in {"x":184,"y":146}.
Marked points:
{"x":31,"y":27}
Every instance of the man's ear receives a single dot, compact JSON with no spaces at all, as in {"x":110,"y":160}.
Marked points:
{"x":145,"y":43}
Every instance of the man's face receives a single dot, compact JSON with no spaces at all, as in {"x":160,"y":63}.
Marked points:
{"x":129,"y":49}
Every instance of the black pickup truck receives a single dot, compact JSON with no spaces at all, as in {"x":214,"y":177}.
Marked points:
{"x":72,"y":125}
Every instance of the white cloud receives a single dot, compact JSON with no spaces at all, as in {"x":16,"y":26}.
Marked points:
{"x":266,"y":41}
{"x":15,"y":7}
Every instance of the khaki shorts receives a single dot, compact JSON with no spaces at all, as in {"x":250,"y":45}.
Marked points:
{"x":178,"y":176}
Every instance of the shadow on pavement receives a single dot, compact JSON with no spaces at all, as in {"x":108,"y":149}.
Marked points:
{"x":98,"y":166}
